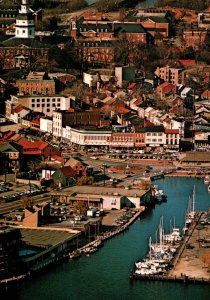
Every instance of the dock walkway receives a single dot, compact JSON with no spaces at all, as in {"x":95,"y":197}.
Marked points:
{"x":107,"y":235}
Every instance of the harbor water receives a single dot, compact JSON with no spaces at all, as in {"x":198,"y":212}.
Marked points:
{"x":105,"y":274}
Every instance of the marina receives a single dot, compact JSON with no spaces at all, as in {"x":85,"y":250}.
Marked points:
{"x":83,"y":278}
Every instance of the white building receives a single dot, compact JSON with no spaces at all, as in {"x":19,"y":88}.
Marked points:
{"x":89,"y":137}
{"x":25,"y":27}
{"x":45,"y":104}
{"x":46,"y":125}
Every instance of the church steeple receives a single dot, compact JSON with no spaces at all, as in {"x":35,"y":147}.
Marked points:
{"x":25,"y":27}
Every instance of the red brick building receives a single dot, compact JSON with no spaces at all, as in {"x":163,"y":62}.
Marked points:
{"x":37,"y":148}
{"x":35,"y":86}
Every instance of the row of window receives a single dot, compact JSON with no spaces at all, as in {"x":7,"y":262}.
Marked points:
{"x":154,"y":140}
{"x":45,"y":100}
{"x":45,"y":105}
{"x":98,"y":30}
{"x":154,"y":134}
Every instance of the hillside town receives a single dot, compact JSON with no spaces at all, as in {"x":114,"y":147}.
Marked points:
{"x":93,"y":107}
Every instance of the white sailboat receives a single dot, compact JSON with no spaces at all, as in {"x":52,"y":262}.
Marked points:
{"x":191,"y":209}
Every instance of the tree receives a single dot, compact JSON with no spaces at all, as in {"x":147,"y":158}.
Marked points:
{"x":80,"y":207}
{"x":26,"y":201}
{"x":108,"y":5}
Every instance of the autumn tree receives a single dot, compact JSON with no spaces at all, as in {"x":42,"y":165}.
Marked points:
{"x":80,"y":207}
{"x":85,"y":180}
{"x":26,"y":201}
{"x":108,"y":5}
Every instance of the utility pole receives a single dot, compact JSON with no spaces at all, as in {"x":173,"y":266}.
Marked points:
{"x":104,"y":165}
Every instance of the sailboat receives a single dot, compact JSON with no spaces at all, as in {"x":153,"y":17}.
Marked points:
{"x":191,"y":209}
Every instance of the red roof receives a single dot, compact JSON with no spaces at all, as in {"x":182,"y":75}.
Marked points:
{"x":123,"y":110}
{"x":32,"y":145}
{"x":172,"y":131}
{"x":58,"y":158}
{"x":132,"y":85}
{"x":138,"y":101}
{"x":166,"y":87}
{"x":35,"y":122}
{"x":67,"y":171}
{"x":20,"y":107}
{"x":187,"y":62}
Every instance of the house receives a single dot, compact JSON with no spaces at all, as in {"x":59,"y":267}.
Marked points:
{"x":172,"y":137}
{"x":64,"y":176}
{"x":204,"y":19}
{"x":194,"y":38}
{"x":18,"y":113}
{"x":154,"y":136}
{"x":37,"y":215}
{"x":165,"y":89}
{"x":78,"y":166}
{"x":10,"y":156}
{"x":169,"y":74}
{"x":39,"y":148}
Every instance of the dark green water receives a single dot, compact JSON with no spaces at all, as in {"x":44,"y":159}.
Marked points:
{"x":105,"y":274}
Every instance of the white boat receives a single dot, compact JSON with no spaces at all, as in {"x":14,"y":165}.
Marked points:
{"x":75,"y":254}
{"x":191,"y":209}
{"x":206,"y":179}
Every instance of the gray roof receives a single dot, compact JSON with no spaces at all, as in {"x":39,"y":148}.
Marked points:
{"x":129,"y":28}
{"x":100,"y":191}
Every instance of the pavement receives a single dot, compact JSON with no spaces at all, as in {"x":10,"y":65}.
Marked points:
{"x":195,"y":262}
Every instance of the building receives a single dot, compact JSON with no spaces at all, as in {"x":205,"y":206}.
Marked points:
{"x":10,"y":157}
{"x":37,"y":215}
{"x":154,"y":136}
{"x":109,"y":197}
{"x":165,"y":89}
{"x":10,"y":241}
{"x":80,"y":168}
{"x":172,"y":139}
{"x":44,"y":104}
{"x":122,"y":140}
{"x":25,"y":27}
{"x":89,"y":137}
{"x":204,"y":20}
{"x":36,"y":83}
{"x":63,"y":119}
{"x":169,"y":74}
{"x":64,"y":176}
{"x":40,"y":148}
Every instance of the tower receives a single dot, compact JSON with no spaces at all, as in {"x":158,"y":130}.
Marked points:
{"x":25,"y":27}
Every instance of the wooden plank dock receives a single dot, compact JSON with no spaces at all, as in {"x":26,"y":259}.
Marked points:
{"x":170,"y":276}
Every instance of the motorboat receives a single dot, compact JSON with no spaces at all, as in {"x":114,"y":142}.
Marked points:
{"x":206,"y":179}
{"x":75,"y":254}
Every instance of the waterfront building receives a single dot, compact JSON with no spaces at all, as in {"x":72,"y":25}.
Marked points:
{"x":108,"y":197}
{"x":9,"y":251}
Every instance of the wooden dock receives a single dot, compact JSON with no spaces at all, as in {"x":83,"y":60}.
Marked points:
{"x":183,"y":278}
{"x":107,"y":235}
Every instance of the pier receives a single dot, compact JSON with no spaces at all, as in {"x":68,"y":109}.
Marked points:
{"x":109,"y":234}
{"x":174,"y":274}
